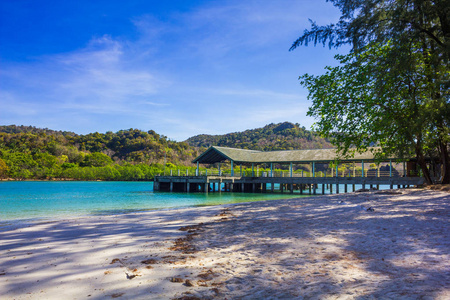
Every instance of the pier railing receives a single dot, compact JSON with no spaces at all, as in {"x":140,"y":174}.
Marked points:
{"x":257,"y":173}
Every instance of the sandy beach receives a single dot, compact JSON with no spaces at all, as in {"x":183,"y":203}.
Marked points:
{"x":392,"y":244}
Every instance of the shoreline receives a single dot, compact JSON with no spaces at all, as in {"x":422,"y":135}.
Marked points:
{"x":322,"y":247}
{"x":44,"y":199}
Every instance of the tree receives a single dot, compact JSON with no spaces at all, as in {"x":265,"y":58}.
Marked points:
{"x":363,"y":22}
{"x":21,"y":165}
{"x":411,"y":28}
{"x":3,"y":168}
{"x":96,"y":159}
{"x":45,"y":160}
{"x":355,"y":111}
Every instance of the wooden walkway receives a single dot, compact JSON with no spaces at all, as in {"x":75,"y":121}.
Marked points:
{"x":313,"y":185}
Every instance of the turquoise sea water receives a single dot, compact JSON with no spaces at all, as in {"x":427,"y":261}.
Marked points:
{"x":37,"y":200}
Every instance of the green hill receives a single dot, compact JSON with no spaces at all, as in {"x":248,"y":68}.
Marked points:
{"x":130,"y":145}
{"x":281,"y":136}
{"x":28,"y":152}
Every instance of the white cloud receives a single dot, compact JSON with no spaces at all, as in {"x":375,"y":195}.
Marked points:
{"x":12,"y":105}
{"x":258,"y":93}
{"x":247,"y":25}
{"x":103,"y":76}
{"x":96,"y":79}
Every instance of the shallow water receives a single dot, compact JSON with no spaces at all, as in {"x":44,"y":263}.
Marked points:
{"x":38,"y":200}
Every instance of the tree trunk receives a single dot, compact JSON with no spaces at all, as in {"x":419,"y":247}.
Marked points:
{"x":445,"y":161}
{"x":444,"y":13}
{"x":422,"y":163}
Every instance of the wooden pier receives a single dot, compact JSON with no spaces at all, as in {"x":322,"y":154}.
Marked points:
{"x":289,"y":182}
{"x":310,"y":185}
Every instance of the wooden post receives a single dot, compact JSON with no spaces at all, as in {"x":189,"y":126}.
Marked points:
{"x":272,"y":186}
{"x":313,"y":169}
{"x":362,"y":170}
{"x":232,"y":168}
{"x":253,"y":170}
{"x":290,"y":169}
{"x":196,"y":171}
{"x":323,"y":189}
{"x":271,"y":169}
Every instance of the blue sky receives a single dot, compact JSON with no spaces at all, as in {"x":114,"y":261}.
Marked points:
{"x":180,"y":68}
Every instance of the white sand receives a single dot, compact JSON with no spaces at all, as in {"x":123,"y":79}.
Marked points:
{"x":323,"y":247}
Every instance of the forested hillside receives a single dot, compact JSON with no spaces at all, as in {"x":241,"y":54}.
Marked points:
{"x":28,"y":152}
{"x":130,"y":145}
{"x":281,"y":136}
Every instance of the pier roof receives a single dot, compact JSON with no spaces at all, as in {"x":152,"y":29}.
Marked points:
{"x":216,"y":154}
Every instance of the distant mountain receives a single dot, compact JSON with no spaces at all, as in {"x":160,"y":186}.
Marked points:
{"x":281,"y":136}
